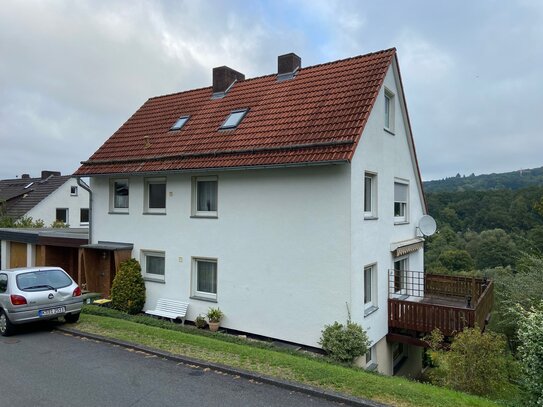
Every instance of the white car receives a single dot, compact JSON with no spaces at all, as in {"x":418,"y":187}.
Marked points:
{"x":37,"y":293}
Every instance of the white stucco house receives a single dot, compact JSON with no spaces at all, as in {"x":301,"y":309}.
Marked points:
{"x":287,"y":200}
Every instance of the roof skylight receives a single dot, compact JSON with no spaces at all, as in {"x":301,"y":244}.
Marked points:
{"x":180,"y":123}
{"x":234,"y":119}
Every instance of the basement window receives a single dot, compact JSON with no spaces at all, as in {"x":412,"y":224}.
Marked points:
{"x":180,"y":123}
{"x":234,"y":119}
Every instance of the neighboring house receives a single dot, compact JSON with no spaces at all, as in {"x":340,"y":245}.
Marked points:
{"x":52,"y":197}
{"x":290,"y":201}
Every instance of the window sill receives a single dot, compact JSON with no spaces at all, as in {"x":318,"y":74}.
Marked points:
{"x":369,"y":217}
{"x":154,"y":280}
{"x":389,"y":131}
{"x":204,"y":217}
{"x":372,"y":367}
{"x":154,"y":213}
{"x":193,"y":297}
{"x":370,"y":310}
{"x":401,"y":222}
{"x":118,"y":213}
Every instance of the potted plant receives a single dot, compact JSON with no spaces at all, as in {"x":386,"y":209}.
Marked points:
{"x":214,"y":316}
{"x":200,"y":322}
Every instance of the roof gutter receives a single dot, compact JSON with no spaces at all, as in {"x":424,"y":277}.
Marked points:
{"x":87,"y":188}
{"x":215,"y":153}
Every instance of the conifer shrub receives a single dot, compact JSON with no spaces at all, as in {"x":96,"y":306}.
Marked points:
{"x":344,"y":342}
{"x":128,"y":288}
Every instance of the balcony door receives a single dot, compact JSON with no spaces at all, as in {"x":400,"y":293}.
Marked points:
{"x":400,"y":276}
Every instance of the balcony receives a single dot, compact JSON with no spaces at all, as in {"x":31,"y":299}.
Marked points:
{"x":418,"y":303}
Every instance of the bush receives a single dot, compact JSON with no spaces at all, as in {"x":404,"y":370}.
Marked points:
{"x":128,"y":288}
{"x":200,"y":322}
{"x":530,"y":351}
{"x":476,"y":363}
{"x":344,"y":342}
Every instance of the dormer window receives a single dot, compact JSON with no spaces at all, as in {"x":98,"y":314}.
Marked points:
{"x":234,"y":119}
{"x":180,"y":123}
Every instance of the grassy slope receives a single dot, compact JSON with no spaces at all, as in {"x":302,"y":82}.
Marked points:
{"x":310,"y":370}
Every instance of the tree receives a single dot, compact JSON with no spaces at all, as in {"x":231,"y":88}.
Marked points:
{"x":530,"y":351}
{"x":456,"y":260}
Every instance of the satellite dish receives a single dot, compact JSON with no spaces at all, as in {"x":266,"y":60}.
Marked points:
{"x":427,"y":225}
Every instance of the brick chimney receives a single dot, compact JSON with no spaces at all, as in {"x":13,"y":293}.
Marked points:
{"x":46,"y":174}
{"x":224,"y":77}
{"x":288,"y":63}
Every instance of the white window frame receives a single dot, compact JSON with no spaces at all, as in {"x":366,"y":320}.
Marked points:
{"x":371,"y":305}
{"x":203,"y":295}
{"x":66,"y":211}
{"x":80,"y":221}
{"x":144,"y":253}
{"x":389,"y":110}
{"x":73,"y":190}
{"x":195,"y":211}
{"x":372,"y":212}
{"x":112,"y":207}
{"x":402,"y":218}
{"x":147,"y":196}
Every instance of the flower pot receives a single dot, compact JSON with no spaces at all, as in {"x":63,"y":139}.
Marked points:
{"x":213,"y":326}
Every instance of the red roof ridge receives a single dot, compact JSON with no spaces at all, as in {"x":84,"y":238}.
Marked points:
{"x":384,"y":51}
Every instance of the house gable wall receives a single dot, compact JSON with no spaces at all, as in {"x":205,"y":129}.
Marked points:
{"x":61,"y":198}
{"x":390,"y":157}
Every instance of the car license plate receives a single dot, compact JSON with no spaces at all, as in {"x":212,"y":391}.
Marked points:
{"x":51,"y":311}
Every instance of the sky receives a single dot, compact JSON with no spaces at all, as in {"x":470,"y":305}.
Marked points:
{"x":72,"y":72}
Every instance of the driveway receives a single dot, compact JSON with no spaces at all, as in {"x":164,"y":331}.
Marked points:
{"x":43,"y":367}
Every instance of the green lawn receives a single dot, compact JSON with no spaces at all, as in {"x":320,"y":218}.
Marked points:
{"x":264,"y":359}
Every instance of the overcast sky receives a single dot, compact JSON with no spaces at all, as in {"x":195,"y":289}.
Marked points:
{"x":72,"y":72}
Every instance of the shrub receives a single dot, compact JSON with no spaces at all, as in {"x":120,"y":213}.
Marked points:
{"x":476,"y":363}
{"x":344,"y":342}
{"x":200,"y":322}
{"x":530,"y":351}
{"x":128,"y":288}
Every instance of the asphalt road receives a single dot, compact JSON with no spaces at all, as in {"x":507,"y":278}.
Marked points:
{"x":43,"y":367}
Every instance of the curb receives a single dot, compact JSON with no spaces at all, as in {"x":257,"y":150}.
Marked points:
{"x":298,"y":387}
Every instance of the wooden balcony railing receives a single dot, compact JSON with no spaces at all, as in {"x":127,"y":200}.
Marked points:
{"x":444,"y":306}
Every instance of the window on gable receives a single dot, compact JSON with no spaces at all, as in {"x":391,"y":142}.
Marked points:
{"x":205,"y":196}
{"x":370,"y":195}
{"x":153,"y":265}
{"x":119,"y":194}
{"x":204,"y":278}
{"x":180,"y":123}
{"x":234,"y":119}
{"x":389,"y":110}
{"x":370,"y":289}
{"x":84,"y":216}
{"x":401,"y":193}
{"x":73,"y":190}
{"x":61,"y":215}
{"x":155,"y":195}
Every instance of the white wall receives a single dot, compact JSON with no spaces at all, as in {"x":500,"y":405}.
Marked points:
{"x":389,"y":156}
{"x":61,"y":198}
{"x":281,"y":240}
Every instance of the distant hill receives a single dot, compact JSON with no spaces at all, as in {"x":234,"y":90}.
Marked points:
{"x":506,"y":180}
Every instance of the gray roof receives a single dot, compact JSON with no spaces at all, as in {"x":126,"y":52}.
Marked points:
{"x":20,"y":195}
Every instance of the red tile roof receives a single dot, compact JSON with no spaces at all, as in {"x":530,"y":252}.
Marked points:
{"x":316,"y":117}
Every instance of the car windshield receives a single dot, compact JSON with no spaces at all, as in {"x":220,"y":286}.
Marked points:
{"x":43,"y":280}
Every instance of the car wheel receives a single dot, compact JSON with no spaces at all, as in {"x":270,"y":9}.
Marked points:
{"x":71,"y":318}
{"x":6,"y":327}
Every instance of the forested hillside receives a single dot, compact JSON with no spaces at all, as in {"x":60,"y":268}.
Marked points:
{"x":507,"y":180}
